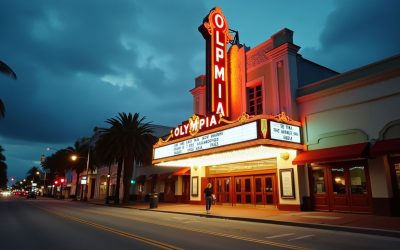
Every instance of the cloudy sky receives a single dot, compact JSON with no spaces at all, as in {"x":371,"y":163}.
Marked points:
{"x":81,"y":62}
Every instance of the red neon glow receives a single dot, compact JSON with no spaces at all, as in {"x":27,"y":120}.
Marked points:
{"x":195,"y":124}
{"x":215,"y":30}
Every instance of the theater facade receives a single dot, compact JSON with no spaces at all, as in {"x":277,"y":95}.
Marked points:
{"x":273,"y":129}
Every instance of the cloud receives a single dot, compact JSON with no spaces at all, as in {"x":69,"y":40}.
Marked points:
{"x":358,"y":33}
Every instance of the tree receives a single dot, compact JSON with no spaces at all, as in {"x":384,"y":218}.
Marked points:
{"x":128,"y":140}
{"x":5,"y":69}
{"x":3,"y":169}
{"x":32,"y":174}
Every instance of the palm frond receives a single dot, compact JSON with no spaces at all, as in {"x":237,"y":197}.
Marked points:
{"x":5,"y":69}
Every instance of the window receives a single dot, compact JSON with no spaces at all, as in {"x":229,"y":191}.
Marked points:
{"x":358,"y":180}
{"x":319,"y":181}
{"x":254,"y":100}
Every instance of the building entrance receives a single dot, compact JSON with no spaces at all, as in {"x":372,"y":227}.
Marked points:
{"x":395,"y":176}
{"x":257,"y":190}
{"x":341,"y":188}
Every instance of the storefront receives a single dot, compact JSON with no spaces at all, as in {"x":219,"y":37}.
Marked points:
{"x":272,"y":129}
{"x":248,"y":161}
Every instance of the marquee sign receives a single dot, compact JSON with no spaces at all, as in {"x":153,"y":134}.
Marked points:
{"x":195,"y":124}
{"x":284,"y":132}
{"x":215,"y":31}
{"x":225,"y":137}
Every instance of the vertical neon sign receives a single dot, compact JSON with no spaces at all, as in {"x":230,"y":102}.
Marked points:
{"x":215,"y":31}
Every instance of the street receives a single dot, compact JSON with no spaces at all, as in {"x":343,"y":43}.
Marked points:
{"x":63,"y":224}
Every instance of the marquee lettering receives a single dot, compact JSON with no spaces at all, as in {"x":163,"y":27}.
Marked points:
{"x":195,"y":124}
{"x":216,"y":32}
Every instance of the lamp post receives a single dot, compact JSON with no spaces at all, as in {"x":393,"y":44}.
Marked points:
{"x":86,"y":177}
{"x":108,"y":184}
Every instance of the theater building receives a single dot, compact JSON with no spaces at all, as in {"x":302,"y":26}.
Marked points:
{"x":273,"y":129}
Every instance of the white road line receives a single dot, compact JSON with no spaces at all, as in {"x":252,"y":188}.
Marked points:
{"x":190,"y":221}
{"x":302,"y":237}
{"x":277,"y":236}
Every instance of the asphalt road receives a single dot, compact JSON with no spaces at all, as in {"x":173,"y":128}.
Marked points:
{"x":55,"y":224}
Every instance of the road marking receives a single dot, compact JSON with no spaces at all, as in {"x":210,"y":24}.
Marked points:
{"x":190,"y":221}
{"x":278,"y":236}
{"x":116,"y":231}
{"x":302,"y":237}
{"x":321,"y":217}
{"x":264,"y":242}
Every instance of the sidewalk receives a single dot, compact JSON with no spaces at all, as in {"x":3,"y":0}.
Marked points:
{"x":358,"y":223}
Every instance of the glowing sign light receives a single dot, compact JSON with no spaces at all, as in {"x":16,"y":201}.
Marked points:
{"x":216,"y":32}
{"x":229,"y":136}
{"x":195,"y":124}
{"x":284,"y":132}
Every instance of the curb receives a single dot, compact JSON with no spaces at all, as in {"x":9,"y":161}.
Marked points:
{"x":361,"y":230}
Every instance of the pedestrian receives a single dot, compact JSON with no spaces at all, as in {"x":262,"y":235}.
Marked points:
{"x":208,"y":195}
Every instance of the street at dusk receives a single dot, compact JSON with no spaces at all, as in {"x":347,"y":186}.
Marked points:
{"x":174,"y":124}
{"x":55,"y":224}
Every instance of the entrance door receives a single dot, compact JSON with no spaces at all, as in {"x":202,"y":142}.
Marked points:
{"x":243,"y":187}
{"x":264,"y":190}
{"x":185,"y":188}
{"x":320,"y":196}
{"x":395,"y":175}
{"x":223,"y":194}
{"x":341,"y":188}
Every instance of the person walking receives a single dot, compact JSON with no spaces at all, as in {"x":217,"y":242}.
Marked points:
{"x":208,"y":195}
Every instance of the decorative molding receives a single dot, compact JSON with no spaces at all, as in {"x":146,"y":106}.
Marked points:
{"x":195,"y":119}
{"x":264,"y":128}
{"x":161,"y":141}
{"x":282,"y":117}
{"x":242,"y":119}
{"x":210,"y":26}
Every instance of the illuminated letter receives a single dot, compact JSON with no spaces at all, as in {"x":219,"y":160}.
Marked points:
{"x":202,"y":121}
{"x":219,"y":54}
{"x":176,"y":131}
{"x":219,"y":73}
{"x":219,"y":90}
{"x":213,"y":121}
{"x":220,"y":109}
{"x":193,"y":125}
{"x":219,"y":21}
{"x":220,"y":43}
{"x":186,"y":126}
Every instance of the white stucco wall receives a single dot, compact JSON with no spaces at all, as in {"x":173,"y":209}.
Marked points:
{"x":368,"y":108}
{"x":199,"y":172}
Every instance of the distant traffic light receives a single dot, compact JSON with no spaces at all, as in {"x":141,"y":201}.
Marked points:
{"x":62,"y":180}
{"x":133,"y":181}
{"x":56,"y":182}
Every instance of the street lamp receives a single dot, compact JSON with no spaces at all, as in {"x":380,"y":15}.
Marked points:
{"x":86,"y":177}
{"x":108,"y":184}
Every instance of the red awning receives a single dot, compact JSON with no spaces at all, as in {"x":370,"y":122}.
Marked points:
{"x":182,"y":171}
{"x":386,"y":147}
{"x":352,"y":151}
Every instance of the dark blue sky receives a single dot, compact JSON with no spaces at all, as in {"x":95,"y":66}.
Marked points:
{"x":81,"y":62}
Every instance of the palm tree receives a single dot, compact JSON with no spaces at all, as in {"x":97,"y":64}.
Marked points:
{"x":5,"y":69}
{"x":2,"y":109}
{"x":32,"y":174}
{"x":3,"y":169}
{"x":129,"y":140}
